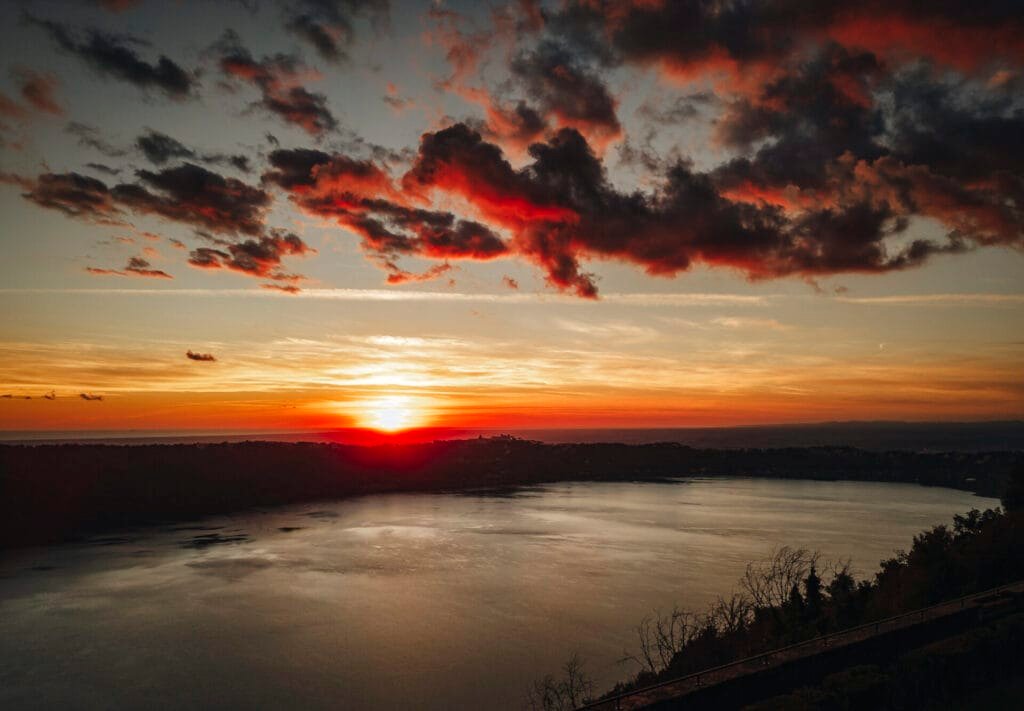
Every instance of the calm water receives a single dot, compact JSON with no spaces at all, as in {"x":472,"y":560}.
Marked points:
{"x":410,"y":601}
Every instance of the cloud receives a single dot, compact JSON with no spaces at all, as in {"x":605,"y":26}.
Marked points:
{"x":562,"y":210}
{"x":284,"y":288}
{"x":140,"y":267}
{"x":159,"y":148}
{"x":196,"y":196}
{"x":90,"y":397}
{"x":255,"y":257}
{"x":137,"y":266}
{"x":516,"y":125}
{"x":362,"y":197}
{"x":115,"y":55}
{"x":75,"y":195}
{"x":103,"y":168}
{"x":39,"y":90}
{"x":400,"y":276}
{"x":395,"y":101}
{"x":200,"y":198}
{"x":328,"y":25}
{"x":748,"y":41}
{"x":576,"y":97}
{"x":208,"y":357}
{"x":278,"y":79}
{"x":89,"y":137}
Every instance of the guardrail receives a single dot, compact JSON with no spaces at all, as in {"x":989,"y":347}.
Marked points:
{"x":764,"y":659}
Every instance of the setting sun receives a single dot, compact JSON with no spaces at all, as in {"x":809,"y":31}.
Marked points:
{"x":389,"y":414}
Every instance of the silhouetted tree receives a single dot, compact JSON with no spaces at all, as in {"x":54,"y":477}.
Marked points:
{"x":812,"y":594}
{"x":1013,"y":497}
{"x":770,"y":583}
{"x":572,"y":690}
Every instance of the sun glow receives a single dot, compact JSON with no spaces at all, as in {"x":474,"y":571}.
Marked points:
{"x":389,"y":414}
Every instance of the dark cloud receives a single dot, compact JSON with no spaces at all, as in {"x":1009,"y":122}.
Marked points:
{"x":141,"y":267}
{"x":562,"y":210}
{"x":750,"y":41}
{"x":90,"y":397}
{"x":329,"y":25}
{"x":953,"y":128}
{"x":192,"y":355}
{"x":286,"y":288}
{"x":103,"y":168}
{"x":159,"y":148}
{"x":137,"y":266}
{"x":75,"y":195}
{"x":566,"y":89}
{"x":186,"y":193}
{"x":90,"y":137}
{"x":293,"y":168}
{"x":116,"y":56}
{"x":194,"y":195}
{"x":278,"y":79}
{"x":255,"y":257}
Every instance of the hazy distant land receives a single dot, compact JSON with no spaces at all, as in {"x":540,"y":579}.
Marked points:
{"x":880,"y":435}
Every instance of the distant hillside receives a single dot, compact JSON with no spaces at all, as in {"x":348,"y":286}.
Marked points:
{"x":877,"y":436}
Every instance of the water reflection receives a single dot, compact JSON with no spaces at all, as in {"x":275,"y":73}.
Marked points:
{"x":425,"y":601}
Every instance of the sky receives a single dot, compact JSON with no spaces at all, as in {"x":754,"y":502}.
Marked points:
{"x":330,"y":213}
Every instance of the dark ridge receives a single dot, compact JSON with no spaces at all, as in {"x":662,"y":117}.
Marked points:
{"x":51,"y":493}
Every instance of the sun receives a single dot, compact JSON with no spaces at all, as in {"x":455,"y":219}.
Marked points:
{"x":388,"y":414}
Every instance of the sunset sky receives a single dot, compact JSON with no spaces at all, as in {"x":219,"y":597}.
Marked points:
{"x":283,"y":215}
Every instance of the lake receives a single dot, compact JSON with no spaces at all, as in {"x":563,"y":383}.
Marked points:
{"x":432,"y":601}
